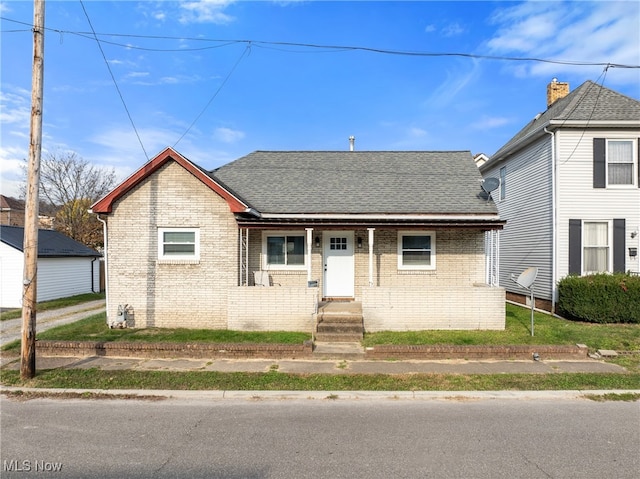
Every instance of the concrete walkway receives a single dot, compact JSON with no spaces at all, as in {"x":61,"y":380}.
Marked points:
{"x":11,"y":329}
{"x":306,"y":366}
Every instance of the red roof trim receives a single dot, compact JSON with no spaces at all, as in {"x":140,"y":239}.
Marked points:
{"x":105,"y":204}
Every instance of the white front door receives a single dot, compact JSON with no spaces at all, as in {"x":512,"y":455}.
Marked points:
{"x":339,"y":278}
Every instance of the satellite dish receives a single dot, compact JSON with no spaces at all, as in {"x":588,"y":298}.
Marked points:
{"x":527,"y":277}
{"x":490,"y":184}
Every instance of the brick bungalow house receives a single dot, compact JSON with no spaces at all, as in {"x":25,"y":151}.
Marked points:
{"x":264,"y":242}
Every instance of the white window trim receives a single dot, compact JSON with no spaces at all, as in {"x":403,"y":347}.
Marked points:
{"x":634,"y":160}
{"x":178,"y":258}
{"x":430,"y":267}
{"x":609,"y":247}
{"x":283,"y":267}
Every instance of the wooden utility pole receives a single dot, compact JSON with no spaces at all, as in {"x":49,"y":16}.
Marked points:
{"x":30,"y":245}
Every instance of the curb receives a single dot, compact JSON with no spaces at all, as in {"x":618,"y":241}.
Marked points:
{"x":329,"y":395}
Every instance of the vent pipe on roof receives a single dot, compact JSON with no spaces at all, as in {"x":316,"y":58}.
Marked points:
{"x":352,"y":143}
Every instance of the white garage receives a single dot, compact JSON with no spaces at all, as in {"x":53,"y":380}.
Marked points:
{"x":65,"y":266}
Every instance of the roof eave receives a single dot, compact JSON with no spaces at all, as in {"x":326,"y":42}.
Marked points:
{"x":105,"y":204}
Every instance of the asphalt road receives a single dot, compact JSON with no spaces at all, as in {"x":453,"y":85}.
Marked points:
{"x":510,"y":438}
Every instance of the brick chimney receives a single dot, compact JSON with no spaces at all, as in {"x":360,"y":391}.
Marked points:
{"x":556,"y":90}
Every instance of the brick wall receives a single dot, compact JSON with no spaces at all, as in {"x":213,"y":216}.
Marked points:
{"x":171,"y":294}
{"x":278,"y":308}
{"x":415,"y":308}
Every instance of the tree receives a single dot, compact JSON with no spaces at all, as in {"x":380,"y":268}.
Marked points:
{"x":71,"y":184}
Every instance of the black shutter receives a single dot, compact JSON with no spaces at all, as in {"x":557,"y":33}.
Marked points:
{"x":599,"y":163}
{"x":619,"y":253}
{"x":575,"y":247}
{"x":638,"y":165}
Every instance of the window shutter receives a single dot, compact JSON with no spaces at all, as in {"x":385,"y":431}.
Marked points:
{"x":619,"y":252}
{"x":575,"y":247}
{"x":599,"y":163}
{"x":638,"y":163}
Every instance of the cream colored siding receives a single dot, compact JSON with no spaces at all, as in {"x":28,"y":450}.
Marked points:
{"x":577,"y":199}
{"x":162,"y":293}
{"x":526,"y":240}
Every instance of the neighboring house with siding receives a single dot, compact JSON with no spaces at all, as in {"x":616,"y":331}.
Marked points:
{"x":11,"y":211}
{"x":570,"y":190}
{"x":399,"y":234}
{"x":65,"y":267}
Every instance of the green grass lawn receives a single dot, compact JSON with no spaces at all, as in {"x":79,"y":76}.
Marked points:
{"x":548,"y":330}
{"x":94,"y":328}
{"x":54,"y":304}
{"x":275,"y":381}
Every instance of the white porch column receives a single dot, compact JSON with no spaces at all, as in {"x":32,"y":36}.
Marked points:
{"x":371,"y":230}
{"x":243,"y":257}
{"x":309,"y":246}
{"x":246,"y":261}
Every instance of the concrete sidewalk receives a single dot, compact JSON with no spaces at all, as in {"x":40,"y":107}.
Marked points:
{"x":11,"y":329}
{"x":306,"y":366}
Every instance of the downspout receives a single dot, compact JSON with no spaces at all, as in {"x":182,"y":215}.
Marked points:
{"x":106,"y":264}
{"x":554,"y":225}
{"x":93,"y":289}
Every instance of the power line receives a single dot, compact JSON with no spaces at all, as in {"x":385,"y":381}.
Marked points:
{"x":247,"y":49}
{"x":315,"y":46}
{"x":115,"y":82}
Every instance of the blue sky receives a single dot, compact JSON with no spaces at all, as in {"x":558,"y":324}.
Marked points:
{"x":219,"y":79}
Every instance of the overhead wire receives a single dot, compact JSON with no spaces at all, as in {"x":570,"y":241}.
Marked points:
{"x":244,"y":52}
{"x":124,"y":103}
{"x":275,"y":45}
{"x":327,"y":47}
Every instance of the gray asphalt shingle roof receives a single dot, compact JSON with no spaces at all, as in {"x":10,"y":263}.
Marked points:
{"x":357,"y":182}
{"x":51,"y":243}
{"x":589,"y":102}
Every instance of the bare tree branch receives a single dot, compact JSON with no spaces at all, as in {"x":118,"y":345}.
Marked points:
{"x":70,"y":185}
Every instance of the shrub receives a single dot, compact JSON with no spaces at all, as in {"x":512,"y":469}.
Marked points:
{"x":600,"y":298}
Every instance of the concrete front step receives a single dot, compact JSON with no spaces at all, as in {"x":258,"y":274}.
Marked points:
{"x":340,"y":322}
{"x":339,"y":337}
{"x":338,"y":350}
{"x":334,"y":318}
{"x":340,"y":327}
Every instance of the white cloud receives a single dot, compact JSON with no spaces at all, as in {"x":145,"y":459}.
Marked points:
{"x":227,"y":135}
{"x":454,"y":82}
{"x":452,"y":30}
{"x":15,"y":107}
{"x":137,"y":74}
{"x":205,"y":11}
{"x":489,"y":122}
{"x":594,"y":32}
{"x":415,"y":132}
{"x":11,"y":177}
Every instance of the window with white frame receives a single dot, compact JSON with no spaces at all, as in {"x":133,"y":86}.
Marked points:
{"x":596,"y":243}
{"x":620,"y":163}
{"x":416,"y":250}
{"x":284,"y":250}
{"x":178,"y":243}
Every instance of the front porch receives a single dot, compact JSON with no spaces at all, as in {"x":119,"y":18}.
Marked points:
{"x":298,"y":308}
